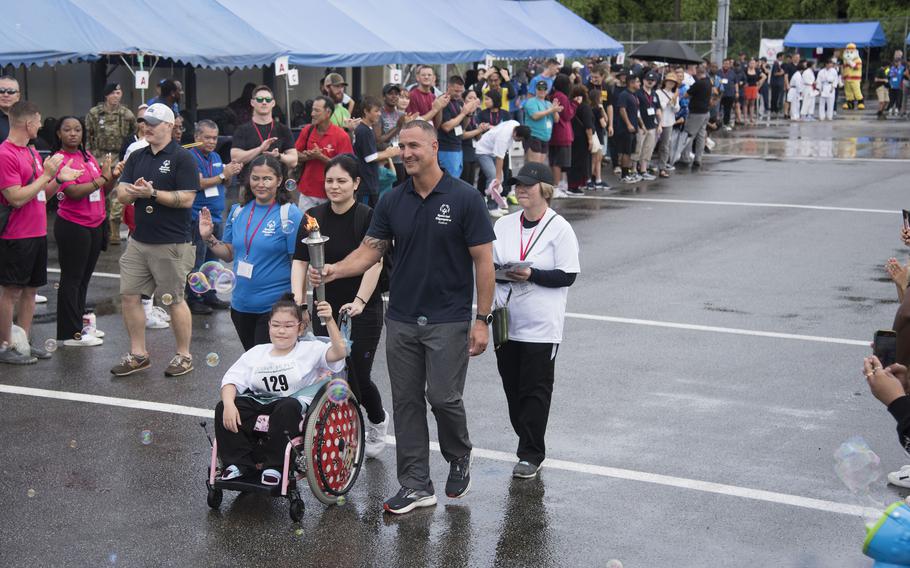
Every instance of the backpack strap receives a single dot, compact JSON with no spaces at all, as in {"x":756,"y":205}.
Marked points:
{"x":285,"y":209}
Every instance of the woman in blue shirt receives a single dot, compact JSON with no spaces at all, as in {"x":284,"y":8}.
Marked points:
{"x":259,"y":239}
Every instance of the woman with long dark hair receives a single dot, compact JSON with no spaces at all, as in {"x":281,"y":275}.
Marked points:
{"x":346,"y":219}
{"x":79,"y":227}
{"x":560,"y":147}
{"x":582,"y":141}
{"x":259,"y":239}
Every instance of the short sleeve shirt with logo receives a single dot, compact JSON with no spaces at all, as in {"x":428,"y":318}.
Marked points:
{"x":251,"y":135}
{"x":171,"y":169}
{"x":433,"y":272}
{"x":332,"y":142}
{"x":21,"y":166}
{"x":209,"y":165}
{"x":87,"y":211}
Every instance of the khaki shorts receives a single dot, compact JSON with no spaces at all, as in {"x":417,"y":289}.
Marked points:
{"x":645,"y":142}
{"x":156,"y":269}
{"x":882,"y":94}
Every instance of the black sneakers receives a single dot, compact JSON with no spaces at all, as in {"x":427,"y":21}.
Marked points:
{"x":408,"y":499}
{"x":459,"y":482}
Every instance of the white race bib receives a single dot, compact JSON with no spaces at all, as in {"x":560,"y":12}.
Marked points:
{"x":458,"y":131}
{"x":371,"y":158}
{"x":41,"y":196}
{"x":212,"y":191}
{"x":650,"y":111}
{"x":95,"y":196}
{"x":549,"y":125}
{"x":724,"y":81}
{"x":244,"y":269}
{"x":278,"y":378}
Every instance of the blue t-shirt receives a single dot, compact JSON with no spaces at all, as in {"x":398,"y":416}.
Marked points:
{"x":209,"y":166}
{"x":432,"y":272}
{"x":541,"y":128}
{"x":895,"y":76}
{"x":270,"y":254}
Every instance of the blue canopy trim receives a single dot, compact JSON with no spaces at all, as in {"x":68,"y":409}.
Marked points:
{"x":863,"y":34}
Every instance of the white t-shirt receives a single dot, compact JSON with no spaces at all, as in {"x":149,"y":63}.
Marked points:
{"x":497,"y":140}
{"x":536,"y":313}
{"x":261,"y":374}
{"x":137,"y":145}
{"x":668,"y":108}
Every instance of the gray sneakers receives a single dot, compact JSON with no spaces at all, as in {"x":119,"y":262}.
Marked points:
{"x":525,"y":470}
{"x":10,"y":356}
{"x":39,"y":352}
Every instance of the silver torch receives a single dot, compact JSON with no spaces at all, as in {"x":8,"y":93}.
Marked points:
{"x":315,"y":243}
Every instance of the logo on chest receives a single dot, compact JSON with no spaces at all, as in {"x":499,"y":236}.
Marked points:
{"x":165,"y":167}
{"x":444,"y":216}
{"x":269,"y":228}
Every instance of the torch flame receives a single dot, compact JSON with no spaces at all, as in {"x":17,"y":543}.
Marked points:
{"x":311,"y":224}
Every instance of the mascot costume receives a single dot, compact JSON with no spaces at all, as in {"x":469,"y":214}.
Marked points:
{"x":853,"y":78}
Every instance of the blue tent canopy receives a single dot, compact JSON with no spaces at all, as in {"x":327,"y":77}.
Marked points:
{"x":569,"y":33}
{"x":47,"y":32}
{"x":863,"y":34}
{"x":202,"y":33}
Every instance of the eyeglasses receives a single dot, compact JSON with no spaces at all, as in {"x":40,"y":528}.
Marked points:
{"x":8,"y":91}
{"x":263,"y":99}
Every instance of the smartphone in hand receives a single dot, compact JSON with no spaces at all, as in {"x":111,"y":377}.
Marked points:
{"x":906,"y":215}
{"x":884,"y":346}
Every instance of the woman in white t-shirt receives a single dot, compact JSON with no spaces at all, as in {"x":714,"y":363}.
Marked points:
{"x":536,"y":297}
{"x":276,"y":379}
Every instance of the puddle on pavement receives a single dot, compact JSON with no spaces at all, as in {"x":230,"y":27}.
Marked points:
{"x":845,"y":148}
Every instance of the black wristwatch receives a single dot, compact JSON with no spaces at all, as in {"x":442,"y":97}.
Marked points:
{"x":487,"y":319}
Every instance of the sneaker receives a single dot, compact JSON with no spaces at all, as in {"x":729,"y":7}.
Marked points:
{"x":130,"y":364}
{"x":591,"y":185}
{"x":497,"y":213}
{"x":231,"y":472}
{"x":628,"y":179}
{"x":39,"y":299}
{"x":85,"y":341}
{"x":728,"y":128}
{"x":901,"y":477}
{"x":512,"y":199}
{"x":459,"y":482}
{"x":696,"y":165}
{"x":617,"y":171}
{"x":670,"y":168}
{"x":217,"y":303}
{"x":39,"y":352}
{"x":98,"y":333}
{"x":376,"y":437}
{"x":10,"y":356}
{"x":602,"y":185}
{"x":200,"y":309}
{"x":406,"y":500}
{"x":156,"y":318}
{"x":161,"y":313}
{"x":271,"y":477}
{"x":559,"y":193}
{"x":525,"y":470}
{"x":178,"y":366}
{"x":648,"y":177}
{"x":575,"y":191}
{"x":636,"y":177}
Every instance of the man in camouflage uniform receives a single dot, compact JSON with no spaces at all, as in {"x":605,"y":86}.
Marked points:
{"x":106,"y":125}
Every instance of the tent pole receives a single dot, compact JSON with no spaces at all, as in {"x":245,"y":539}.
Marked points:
{"x":287,"y":99}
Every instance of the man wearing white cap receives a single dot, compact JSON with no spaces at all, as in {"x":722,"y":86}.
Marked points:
{"x":162,"y":181}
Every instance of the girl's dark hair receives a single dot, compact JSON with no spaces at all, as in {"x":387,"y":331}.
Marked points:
{"x":286,"y":302}
{"x":58,"y":142}
{"x":347,"y":162}
{"x":563,"y":84}
{"x":282,"y":196}
{"x":581,"y":91}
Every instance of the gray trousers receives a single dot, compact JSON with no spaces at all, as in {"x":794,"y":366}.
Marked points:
{"x":697,"y":129}
{"x":427,"y":363}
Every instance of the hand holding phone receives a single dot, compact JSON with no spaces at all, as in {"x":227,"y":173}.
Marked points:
{"x":884,"y":346}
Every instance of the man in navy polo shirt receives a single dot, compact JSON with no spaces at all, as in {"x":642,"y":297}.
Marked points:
{"x":213,"y":174}
{"x":442,"y":235}
{"x":161,"y":180}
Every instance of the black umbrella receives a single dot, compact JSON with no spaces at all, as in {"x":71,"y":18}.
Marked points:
{"x":668,"y":51}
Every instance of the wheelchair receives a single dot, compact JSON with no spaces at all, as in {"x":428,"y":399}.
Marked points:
{"x":328,"y":453}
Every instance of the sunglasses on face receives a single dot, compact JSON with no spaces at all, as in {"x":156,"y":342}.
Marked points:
{"x":263,"y":99}
{"x":8,"y":91}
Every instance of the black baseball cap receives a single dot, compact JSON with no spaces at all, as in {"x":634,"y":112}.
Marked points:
{"x":650,"y":76}
{"x":541,"y":85}
{"x":389,"y":87}
{"x":531,"y":173}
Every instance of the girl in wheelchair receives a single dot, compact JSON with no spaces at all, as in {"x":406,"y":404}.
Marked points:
{"x":278,"y":379}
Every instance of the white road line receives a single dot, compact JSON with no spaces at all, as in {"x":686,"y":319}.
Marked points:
{"x":562,"y":465}
{"x":738,"y":203}
{"x":98,"y":274}
{"x":770,"y":158}
{"x":715,"y":329}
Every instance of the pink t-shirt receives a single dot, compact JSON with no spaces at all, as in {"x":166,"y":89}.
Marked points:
{"x":88,"y":211}
{"x":16,"y":168}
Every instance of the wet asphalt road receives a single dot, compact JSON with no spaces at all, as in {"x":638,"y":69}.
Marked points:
{"x":759,"y":413}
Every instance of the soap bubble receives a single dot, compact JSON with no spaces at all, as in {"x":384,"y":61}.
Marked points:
{"x":60,"y":196}
{"x":77,"y":336}
{"x":167,"y":299}
{"x":112,"y":558}
{"x":341,"y":500}
{"x":289,"y":227}
{"x":31,"y":493}
{"x":56,"y":285}
{"x":206,"y":326}
{"x":298,"y":532}
{"x":225,"y":282}
{"x":211,"y":270}
{"x":338,"y":390}
{"x":145,"y":437}
{"x":212,"y":359}
{"x":198,"y":283}
{"x":50,"y":345}
{"x":73,"y":444}
{"x":290,"y":185}
{"x":422,"y":320}
{"x":149,"y":209}
{"x":613,"y":564}
{"x":87,"y":331}
{"x":857,"y":465}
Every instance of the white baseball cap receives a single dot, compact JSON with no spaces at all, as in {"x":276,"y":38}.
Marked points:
{"x":158,"y":113}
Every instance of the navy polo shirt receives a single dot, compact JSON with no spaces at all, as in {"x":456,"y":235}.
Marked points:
{"x":432,"y":269}
{"x":171,"y":169}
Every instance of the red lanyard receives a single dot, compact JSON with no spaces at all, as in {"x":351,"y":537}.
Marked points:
{"x":522,"y":250}
{"x":259,"y":134}
{"x":247,"y":239}
{"x":207,"y":166}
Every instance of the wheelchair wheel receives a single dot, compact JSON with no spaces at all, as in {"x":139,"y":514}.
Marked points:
{"x":333,"y":444}
{"x":214,"y":497}
{"x":297,"y":509}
